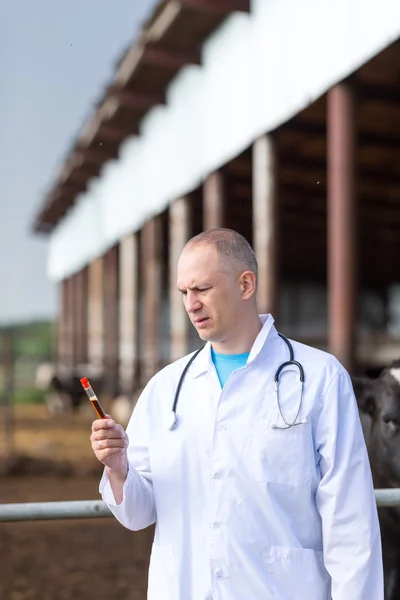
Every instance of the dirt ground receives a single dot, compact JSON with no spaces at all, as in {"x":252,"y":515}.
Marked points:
{"x":61,"y":560}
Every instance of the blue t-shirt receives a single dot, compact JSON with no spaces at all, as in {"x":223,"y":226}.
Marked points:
{"x":225,"y":364}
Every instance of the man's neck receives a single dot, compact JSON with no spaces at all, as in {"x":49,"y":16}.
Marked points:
{"x":242,"y":341}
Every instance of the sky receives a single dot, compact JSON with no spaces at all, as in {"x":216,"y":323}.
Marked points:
{"x":55,"y":58}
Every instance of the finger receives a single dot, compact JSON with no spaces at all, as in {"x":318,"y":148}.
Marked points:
{"x":104,"y":434}
{"x":102,"y":455}
{"x":109,"y":443}
{"x":101,"y":424}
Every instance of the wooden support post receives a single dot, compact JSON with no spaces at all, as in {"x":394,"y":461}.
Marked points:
{"x":80,"y":316}
{"x":128,"y":313}
{"x":342,"y":271}
{"x":62,"y":323}
{"x":214,"y":201}
{"x":95,"y":314}
{"x":69,"y":359}
{"x":110,"y":316}
{"x":179,"y":233}
{"x":151,"y":286}
{"x":265,"y":223}
{"x":7,"y":388}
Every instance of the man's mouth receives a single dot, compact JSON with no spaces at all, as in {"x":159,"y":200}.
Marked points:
{"x":200,"y":321}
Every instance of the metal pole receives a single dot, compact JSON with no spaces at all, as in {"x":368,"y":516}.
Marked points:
{"x":151,"y":271}
{"x":95,"y":313}
{"x":128,"y":313}
{"x":70,"y":321}
{"x":39,"y":511}
{"x":342,"y":244}
{"x":80,"y":308}
{"x":92,"y":509}
{"x":179,"y":233}
{"x":265,"y":222}
{"x":387,"y":497}
{"x":214,"y":201}
{"x":110,"y":316}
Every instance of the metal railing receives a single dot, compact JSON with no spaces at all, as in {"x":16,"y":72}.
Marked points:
{"x":94,"y":509}
{"x":40,"y":511}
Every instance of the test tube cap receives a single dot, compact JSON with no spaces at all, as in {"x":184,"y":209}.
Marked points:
{"x":85,"y":382}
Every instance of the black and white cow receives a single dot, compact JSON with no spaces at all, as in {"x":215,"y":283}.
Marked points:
{"x":62,"y":384}
{"x":379,"y":403}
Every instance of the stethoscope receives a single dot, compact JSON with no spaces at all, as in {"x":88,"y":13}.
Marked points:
{"x":172,"y":418}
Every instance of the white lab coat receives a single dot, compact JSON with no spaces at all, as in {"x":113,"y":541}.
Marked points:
{"x":244,"y":511}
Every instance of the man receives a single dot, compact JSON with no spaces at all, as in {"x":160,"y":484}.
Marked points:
{"x":246,"y":507}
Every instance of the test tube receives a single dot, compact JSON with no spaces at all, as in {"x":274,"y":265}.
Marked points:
{"x":93,"y":398}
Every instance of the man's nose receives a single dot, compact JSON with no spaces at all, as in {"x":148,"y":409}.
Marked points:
{"x":192,"y":303}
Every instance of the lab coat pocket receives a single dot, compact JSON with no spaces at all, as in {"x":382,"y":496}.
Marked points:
{"x":282,"y":456}
{"x":298,"y":573}
{"x":161,"y":573}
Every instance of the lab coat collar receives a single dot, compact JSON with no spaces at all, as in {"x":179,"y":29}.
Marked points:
{"x":203,"y":362}
{"x":267,"y":322}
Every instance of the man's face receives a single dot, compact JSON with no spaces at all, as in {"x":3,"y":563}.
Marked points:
{"x":211,"y":293}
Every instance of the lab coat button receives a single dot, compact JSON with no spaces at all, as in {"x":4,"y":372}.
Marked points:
{"x":216,"y":525}
{"x":218,"y":573}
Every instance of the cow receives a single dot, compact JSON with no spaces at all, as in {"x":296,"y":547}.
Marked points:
{"x":62,"y":384}
{"x":65,"y":394}
{"x":379,"y":405}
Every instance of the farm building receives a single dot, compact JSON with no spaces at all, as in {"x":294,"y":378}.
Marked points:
{"x":277,"y":118}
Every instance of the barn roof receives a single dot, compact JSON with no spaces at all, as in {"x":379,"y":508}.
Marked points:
{"x":171,"y":39}
{"x":249,"y":83}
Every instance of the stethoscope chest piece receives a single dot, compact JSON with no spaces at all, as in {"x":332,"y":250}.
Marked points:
{"x":171,"y":420}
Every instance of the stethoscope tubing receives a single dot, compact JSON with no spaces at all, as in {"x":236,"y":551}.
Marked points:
{"x":291,"y":362}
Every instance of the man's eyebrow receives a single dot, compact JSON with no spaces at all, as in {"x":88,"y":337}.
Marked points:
{"x":195,"y":287}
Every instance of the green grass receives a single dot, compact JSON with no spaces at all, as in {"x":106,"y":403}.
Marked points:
{"x":29,"y":396}
{"x":32,"y":344}
{"x":31,"y":339}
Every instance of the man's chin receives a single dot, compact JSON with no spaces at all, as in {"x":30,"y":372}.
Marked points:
{"x":203,"y":335}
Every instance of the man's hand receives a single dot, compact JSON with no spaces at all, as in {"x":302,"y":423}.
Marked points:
{"x":109,"y":444}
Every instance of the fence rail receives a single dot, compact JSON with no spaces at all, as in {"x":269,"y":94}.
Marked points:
{"x":94,"y":509}
{"x":41,"y":511}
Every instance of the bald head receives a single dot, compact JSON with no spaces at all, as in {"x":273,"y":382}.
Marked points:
{"x":234,"y":251}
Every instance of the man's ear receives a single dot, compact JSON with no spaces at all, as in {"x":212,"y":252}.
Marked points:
{"x":247,"y":284}
{"x":365,"y":391}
